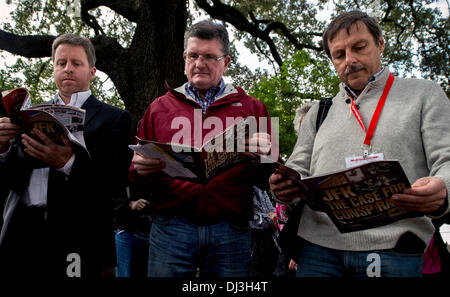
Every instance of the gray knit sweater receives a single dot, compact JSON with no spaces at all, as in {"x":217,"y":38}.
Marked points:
{"x":414,"y":128}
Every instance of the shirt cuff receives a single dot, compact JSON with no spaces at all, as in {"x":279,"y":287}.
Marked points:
{"x":441,"y":210}
{"x":3,"y":155}
{"x":291,"y":202}
{"x":67,"y":168}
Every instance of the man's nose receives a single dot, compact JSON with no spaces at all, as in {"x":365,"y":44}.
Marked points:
{"x":350,"y":58}
{"x":68,"y":67}
{"x":200,"y":62}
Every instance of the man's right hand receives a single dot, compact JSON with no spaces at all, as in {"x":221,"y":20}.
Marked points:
{"x":285,"y":189}
{"x":8,"y":132}
{"x":138,"y":204}
{"x":146,"y":166}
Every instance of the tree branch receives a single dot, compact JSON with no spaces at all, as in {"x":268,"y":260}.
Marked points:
{"x":108,"y":50}
{"x":233,"y":16}
{"x":388,"y":11}
{"x":239,"y":21}
{"x":110,"y":54}
{"x":127,"y":9}
{"x":29,"y":46}
{"x":91,"y":21}
{"x":292,"y":39}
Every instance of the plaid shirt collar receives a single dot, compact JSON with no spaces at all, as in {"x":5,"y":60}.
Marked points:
{"x":210,"y":97}
{"x":350,"y":91}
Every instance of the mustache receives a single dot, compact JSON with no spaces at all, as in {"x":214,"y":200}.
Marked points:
{"x":353,"y":68}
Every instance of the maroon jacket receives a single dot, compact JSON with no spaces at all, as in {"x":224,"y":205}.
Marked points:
{"x":227,"y":197}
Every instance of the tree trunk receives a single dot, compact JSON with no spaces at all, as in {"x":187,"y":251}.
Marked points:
{"x":138,"y":72}
{"x":154,"y":56}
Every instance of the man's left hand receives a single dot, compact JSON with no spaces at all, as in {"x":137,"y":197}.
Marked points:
{"x":53,"y":154}
{"x":426,"y":195}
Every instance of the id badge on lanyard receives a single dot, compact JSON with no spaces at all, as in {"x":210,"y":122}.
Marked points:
{"x":359,"y":160}
{"x":367,"y":155}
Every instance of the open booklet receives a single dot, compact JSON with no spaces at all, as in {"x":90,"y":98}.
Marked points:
{"x":356,"y":198}
{"x":53,"y":120}
{"x":201,"y":164}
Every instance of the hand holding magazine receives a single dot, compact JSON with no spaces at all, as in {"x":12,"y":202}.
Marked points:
{"x":201,"y":164}
{"x":52,"y":119}
{"x":356,"y":198}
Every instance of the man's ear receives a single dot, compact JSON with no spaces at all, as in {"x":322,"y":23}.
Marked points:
{"x":381,"y":44}
{"x":92,"y":72}
{"x":227,"y":62}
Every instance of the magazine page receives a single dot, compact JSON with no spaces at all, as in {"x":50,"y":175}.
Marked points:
{"x":13,"y":101}
{"x":218,"y":154}
{"x":3,"y":111}
{"x":188,"y":156}
{"x":359,"y":198}
{"x":233,"y":138}
{"x":174,"y":167}
{"x":70,"y":117}
{"x":42,"y":121}
{"x":52,"y":119}
{"x":218,"y":162}
{"x":49,"y":125}
{"x":170,"y":147}
{"x":227,"y":149}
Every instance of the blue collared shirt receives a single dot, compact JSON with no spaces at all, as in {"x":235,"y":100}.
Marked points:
{"x":350,"y":91}
{"x":210,"y":97}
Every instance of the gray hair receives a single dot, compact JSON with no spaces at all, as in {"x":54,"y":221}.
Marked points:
{"x":209,"y":30}
{"x":76,"y":40}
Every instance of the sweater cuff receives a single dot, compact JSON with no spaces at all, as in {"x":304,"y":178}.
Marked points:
{"x":441,"y":210}
{"x":291,"y":202}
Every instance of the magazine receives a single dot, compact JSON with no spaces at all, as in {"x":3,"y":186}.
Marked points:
{"x":53,"y":120}
{"x":201,"y":165}
{"x":356,"y":198}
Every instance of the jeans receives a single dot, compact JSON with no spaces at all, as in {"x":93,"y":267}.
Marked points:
{"x":179,"y":247}
{"x":317,"y":261}
{"x":132,"y":254}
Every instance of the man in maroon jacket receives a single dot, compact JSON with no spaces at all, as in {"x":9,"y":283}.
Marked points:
{"x":199,"y":226}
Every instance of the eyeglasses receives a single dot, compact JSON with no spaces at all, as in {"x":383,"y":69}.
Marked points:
{"x":192,"y":58}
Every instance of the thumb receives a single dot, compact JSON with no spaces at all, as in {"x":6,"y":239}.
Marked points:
{"x":65,"y":140}
{"x":417,"y":184}
{"x":420,"y":182}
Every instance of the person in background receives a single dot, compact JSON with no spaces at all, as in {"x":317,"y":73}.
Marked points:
{"x":132,"y":226}
{"x":284,"y":210}
{"x":413,"y":127}
{"x":437,"y":256}
{"x":265,"y":249}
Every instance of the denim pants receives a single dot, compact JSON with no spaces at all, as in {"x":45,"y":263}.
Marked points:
{"x":318,"y":261}
{"x":132,"y":254}
{"x":179,"y":247}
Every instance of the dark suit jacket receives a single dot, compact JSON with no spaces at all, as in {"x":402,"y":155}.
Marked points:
{"x":79,"y":208}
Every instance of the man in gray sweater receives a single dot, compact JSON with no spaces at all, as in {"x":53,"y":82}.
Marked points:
{"x":413,"y":127}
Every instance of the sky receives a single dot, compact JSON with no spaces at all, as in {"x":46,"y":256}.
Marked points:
{"x":245,"y":58}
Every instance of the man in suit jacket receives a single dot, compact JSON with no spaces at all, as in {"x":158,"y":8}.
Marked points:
{"x":58,"y":219}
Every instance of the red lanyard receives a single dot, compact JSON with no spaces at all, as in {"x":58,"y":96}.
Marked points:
{"x":376,"y":115}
